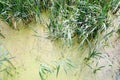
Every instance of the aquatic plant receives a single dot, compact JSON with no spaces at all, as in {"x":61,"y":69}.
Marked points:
{"x":3,"y":59}
{"x":46,"y":69}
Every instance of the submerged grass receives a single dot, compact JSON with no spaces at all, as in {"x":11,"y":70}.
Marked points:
{"x":46,"y":69}
{"x":3,"y":59}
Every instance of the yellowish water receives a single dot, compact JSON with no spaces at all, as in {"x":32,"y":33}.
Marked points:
{"x":30,"y":47}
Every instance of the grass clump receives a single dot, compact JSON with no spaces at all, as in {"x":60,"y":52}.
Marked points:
{"x":82,"y":19}
{"x":26,"y":10}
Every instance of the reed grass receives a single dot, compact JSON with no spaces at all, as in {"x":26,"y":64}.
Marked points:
{"x":83,"y":20}
{"x":26,"y":10}
{"x":46,"y":69}
{"x":3,"y":59}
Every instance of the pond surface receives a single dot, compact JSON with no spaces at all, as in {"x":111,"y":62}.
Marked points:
{"x":30,"y":47}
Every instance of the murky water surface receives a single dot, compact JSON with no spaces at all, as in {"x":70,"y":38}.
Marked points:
{"x":29,"y":47}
